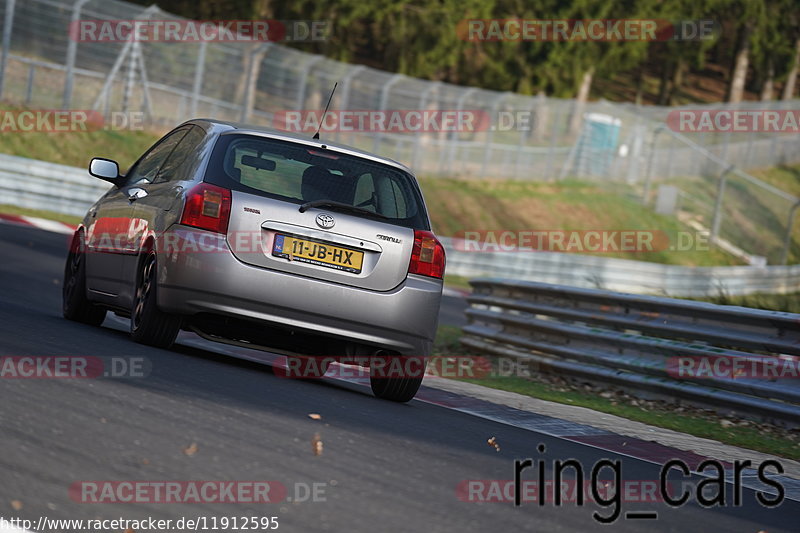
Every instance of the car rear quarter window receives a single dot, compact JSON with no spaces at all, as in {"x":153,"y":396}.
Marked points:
{"x":183,"y":158}
{"x":146,"y":169}
{"x":299,"y":173}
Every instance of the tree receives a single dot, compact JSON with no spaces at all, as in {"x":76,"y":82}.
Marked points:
{"x":749,"y":21}
{"x":791,"y":78}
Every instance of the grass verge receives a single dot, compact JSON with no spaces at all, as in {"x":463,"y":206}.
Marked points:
{"x":746,"y":434}
{"x":457,"y":282}
{"x":40,"y":213}
{"x":78,"y":148}
{"x":789,"y":303}
{"x":563,"y":209}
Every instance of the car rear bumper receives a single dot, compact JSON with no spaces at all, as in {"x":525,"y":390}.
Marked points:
{"x":212,"y":280}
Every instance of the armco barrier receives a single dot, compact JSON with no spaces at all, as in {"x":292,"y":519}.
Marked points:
{"x":41,"y":185}
{"x":634,"y":341}
{"x":590,"y":271}
{"x":70,"y":190}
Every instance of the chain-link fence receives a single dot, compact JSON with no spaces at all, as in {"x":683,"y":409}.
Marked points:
{"x":514,"y":136}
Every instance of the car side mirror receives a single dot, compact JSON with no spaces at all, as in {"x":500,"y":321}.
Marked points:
{"x":105,"y":169}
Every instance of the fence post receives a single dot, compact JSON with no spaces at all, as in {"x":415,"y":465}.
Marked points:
{"x":487,"y":151}
{"x":199,"y":73}
{"x":526,"y":135}
{"x":301,"y":90}
{"x":29,"y":90}
{"x":551,"y":150}
{"x":648,"y":178}
{"x":253,"y":69}
{"x":145,"y":83}
{"x":130,"y":47}
{"x":104,"y":97}
{"x":72,"y":50}
{"x":453,"y":136}
{"x":383,"y":103}
{"x":423,"y":103}
{"x":8,"y":24}
{"x":716,"y":221}
{"x":346,"y":90}
{"x":787,"y":239}
{"x":130,"y":79}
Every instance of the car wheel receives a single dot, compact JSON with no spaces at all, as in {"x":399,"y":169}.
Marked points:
{"x":395,"y":388}
{"x":75,"y":305}
{"x":150,"y":325}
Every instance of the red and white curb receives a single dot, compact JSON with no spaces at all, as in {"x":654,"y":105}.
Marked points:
{"x":36,"y":222}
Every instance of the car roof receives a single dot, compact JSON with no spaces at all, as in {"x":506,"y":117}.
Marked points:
{"x":272,"y":133}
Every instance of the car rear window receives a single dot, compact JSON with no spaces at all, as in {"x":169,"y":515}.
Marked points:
{"x":299,"y":173}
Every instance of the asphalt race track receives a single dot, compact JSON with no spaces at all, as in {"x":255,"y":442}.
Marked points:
{"x":200,"y":415}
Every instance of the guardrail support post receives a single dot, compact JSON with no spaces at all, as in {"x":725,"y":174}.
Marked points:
{"x":717,"y":218}
{"x":787,"y":239}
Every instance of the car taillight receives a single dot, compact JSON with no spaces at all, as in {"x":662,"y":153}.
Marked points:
{"x":207,"y":207}
{"x":427,"y":256}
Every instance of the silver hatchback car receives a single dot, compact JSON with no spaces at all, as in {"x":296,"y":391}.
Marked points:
{"x":263,"y":239}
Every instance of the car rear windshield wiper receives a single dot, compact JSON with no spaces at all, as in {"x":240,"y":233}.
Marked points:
{"x":344,"y":207}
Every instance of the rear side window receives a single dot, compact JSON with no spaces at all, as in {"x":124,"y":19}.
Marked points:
{"x":146,"y":169}
{"x":182,"y":158}
{"x":298,"y":173}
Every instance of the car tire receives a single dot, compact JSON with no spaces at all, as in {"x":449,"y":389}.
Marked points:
{"x":150,"y":325}
{"x":74,"y":303}
{"x":395,"y":389}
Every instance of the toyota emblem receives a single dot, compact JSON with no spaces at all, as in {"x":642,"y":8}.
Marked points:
{"x":325,"y":221}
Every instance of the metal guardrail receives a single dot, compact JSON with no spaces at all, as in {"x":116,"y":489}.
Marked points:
{"x":627,"y":340}
{"x":624,"y":275}
{"x":40,"y":185}
{"x":70,"y":190}
{"x":514,"y":136}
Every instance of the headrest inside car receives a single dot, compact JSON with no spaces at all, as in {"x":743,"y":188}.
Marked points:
{"x":319,"y":184}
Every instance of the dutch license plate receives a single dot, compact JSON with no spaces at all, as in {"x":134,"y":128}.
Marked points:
{"x":316,"y":253}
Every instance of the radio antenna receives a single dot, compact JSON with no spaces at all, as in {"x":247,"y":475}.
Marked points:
{"x":316,"y":135}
